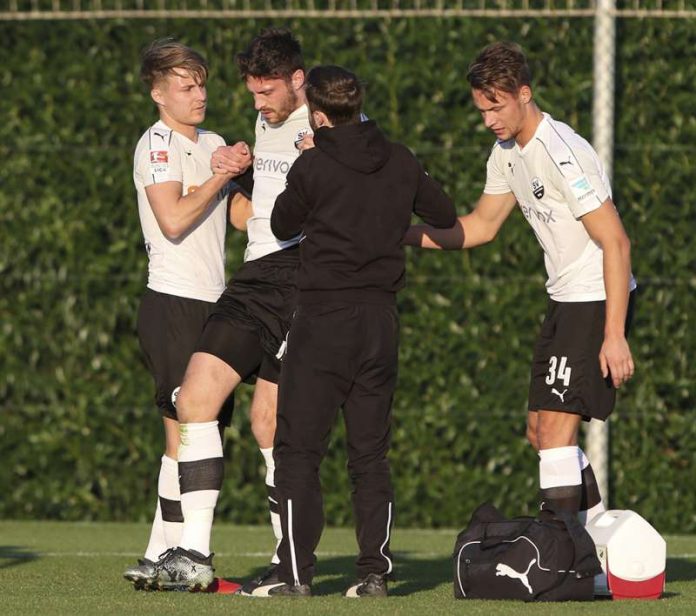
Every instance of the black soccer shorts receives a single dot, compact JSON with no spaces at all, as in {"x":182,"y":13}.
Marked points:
{"x":252,"y":317}
{"x":566,"y":374}
{"x":168,"y":329}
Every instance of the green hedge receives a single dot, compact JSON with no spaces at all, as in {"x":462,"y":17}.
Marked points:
{"x":79,"y":437}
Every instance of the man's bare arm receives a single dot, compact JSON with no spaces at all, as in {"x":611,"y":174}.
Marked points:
{"x":605,"y":228}
{"x":177,"y":213}
{"x":478,"y":227}
{"x":240,"y":211}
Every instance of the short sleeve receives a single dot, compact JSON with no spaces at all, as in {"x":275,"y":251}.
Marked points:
{"x":584,"y":183}
{"x":496,"y":183}
{"x":159,"y":161}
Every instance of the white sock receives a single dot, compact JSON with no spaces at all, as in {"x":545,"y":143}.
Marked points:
{"x":560,"y":479}
{"x":559,"y":466}
{"x":200,"y":442}
{"x":168,"y":488}
{"x":270,"y":487}
{"x":586,"y":516}
{"x":157,"y":543}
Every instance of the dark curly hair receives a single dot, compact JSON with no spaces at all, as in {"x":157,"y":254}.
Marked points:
{"x":274,"y":53}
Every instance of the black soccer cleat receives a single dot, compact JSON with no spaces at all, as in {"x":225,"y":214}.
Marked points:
{"x":141,"y":575}
{"x":181,"y":569}
{"x":372,"y":585}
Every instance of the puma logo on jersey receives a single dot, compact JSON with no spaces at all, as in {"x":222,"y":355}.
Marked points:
{"x":162,"y":136}
{"x":501,"y":569}
{"x":559,"y":394}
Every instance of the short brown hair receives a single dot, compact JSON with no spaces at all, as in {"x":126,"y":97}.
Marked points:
{"x":500,"y":66}
{"x":162,"y":57}
{"x":335,"y":91}
{"x":274,"y":53}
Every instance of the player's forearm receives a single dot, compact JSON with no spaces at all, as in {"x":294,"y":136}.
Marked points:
{"x":617,"y":276}
{"x":189,"y":208}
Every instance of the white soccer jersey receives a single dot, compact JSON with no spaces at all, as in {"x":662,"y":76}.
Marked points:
{"x":557,"y":178}
{"x":192,"y":266}
{"x":274,"y":153}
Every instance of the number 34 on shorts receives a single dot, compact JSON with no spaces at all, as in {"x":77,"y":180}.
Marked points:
{"x":559,"y":370}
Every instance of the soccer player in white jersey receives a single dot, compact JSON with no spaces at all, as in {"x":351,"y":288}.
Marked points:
{"x":183,"y":214}
{"x":245,"y":333}
{"x":556,"y":178}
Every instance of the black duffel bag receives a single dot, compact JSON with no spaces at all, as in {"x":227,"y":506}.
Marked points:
{"x":549,"y":558}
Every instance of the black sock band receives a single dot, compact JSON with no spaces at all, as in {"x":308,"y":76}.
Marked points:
{"x":201,"y":475}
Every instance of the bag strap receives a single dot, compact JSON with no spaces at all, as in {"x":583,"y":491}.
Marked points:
{"x":506,"y":530}
{"x":585,"y":561}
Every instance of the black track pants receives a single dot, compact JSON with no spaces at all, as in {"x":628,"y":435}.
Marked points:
{"x":339,"y":355}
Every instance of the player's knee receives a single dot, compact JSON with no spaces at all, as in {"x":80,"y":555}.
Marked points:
{"x":550,"y":436}
{"x":532,"y":437}
{"x":374,"y":466}
{"x":193,"y":406}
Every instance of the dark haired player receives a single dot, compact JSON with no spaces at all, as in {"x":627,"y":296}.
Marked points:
{"x":582,"y":354}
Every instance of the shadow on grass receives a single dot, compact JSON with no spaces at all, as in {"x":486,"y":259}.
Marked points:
{"x":15,"y":555}
{"x":681,"y":570}
{"x":413,"y":574}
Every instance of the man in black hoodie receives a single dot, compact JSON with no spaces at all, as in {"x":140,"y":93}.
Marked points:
{"x":352,"y":196}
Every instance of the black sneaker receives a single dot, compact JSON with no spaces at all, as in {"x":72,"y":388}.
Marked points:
{"x":373,"y":585}
{"x":249,"y":588}
{"x":181,"y":569}
{"x":268,"y":585}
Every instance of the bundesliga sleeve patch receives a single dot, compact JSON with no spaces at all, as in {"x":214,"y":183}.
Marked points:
{"x":159,"y":164}
{"x":582,"y":189}
{"x":159,"y":156}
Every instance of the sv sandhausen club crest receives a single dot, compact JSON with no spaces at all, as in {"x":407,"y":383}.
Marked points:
{"x":300,"y":136}
{"x":537,"y":188}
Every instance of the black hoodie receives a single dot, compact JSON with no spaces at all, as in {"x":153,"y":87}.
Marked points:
{"x":352,"y":196}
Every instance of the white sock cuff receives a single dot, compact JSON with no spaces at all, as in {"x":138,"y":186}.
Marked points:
{"x":270,"y":466}
{"x":267,"y":454}
{"x":199,"y":441}
{"x":560,"y":453}
{"x":559,"y":466}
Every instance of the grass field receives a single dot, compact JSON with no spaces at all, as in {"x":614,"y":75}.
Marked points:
{"x":63,"y":568}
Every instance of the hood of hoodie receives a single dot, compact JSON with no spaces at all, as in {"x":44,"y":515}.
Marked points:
{"x":361,"y":147}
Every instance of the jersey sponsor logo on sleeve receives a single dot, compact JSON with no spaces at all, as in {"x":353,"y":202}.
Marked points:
{"x":159,"y":157}
{"x":581,"y":187}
